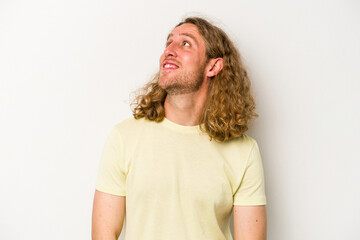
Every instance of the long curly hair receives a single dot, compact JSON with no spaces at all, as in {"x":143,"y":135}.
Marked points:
{"x":229,"y":107}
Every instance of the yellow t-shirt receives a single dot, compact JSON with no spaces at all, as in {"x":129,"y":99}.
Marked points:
{"x":178,"y":184}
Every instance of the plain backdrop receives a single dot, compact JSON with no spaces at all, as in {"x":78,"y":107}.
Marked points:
{"x":68,"y":68}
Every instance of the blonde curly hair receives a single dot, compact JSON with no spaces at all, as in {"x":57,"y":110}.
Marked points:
{"x":229,"y":107}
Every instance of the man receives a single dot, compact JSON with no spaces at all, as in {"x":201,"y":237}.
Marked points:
{"x":183,"y":163}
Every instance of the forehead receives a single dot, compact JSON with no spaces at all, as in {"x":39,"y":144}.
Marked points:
{"x":186,"y":29}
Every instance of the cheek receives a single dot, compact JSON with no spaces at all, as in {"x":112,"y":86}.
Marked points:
{"x":162,"y":57}
{"x":191,"y":60}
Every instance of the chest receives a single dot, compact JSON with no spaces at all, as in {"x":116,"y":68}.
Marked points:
{"x":188,"y":173}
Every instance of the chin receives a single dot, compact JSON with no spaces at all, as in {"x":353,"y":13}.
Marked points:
{"x":164,"y":82}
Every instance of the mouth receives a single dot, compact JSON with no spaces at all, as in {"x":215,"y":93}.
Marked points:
{"x":169,"y":66}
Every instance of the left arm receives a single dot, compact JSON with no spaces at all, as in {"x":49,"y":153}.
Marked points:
{"x":249,"y":222}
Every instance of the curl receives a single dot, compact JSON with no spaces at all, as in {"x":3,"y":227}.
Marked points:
{"x":229,"y":107}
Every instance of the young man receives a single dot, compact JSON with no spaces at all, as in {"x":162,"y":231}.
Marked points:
{"x":181,"y":165}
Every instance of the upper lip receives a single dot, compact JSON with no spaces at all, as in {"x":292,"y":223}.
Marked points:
{"x":169,"y":62}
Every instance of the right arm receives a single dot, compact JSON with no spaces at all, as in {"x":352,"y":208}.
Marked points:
{"x":108,"y":216}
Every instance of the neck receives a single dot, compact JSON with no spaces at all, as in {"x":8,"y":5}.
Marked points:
{"x":186,"y":109}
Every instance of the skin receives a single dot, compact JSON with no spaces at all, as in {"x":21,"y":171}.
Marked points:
{"x":186,"y":48}
{"x":187,"y":83}
{"x":249,"y":222}
{"x":107,"y":216}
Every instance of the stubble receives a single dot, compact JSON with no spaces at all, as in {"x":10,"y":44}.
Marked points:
{"x":184,"y":83}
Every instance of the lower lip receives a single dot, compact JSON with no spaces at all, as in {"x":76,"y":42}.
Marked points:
{"x":169,"y":69}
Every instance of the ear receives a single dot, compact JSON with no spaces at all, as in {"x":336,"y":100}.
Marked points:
{"x":214,"y":66}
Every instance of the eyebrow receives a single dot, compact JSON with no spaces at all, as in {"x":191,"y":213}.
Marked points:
{"x":184,"y":34}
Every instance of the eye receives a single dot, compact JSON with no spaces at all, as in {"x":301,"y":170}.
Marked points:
{"x":167,"y":44}
{"x":186,"y":44}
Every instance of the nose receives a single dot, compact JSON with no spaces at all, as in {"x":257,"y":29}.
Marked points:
{"x":170,"y":50}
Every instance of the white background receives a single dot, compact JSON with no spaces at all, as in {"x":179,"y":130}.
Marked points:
{"x":67,"y":69}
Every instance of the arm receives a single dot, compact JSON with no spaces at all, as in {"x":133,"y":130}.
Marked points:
{"x":108,"y":216}
{"x":249,"y":222}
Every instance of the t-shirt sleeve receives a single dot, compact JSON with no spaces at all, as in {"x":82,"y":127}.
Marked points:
{"x":112,"y":175}
{"x":251,"y":190}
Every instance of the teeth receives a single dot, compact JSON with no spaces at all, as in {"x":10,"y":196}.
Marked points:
{"x":169,"y":66}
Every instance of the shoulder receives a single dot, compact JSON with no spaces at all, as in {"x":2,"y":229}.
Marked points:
{"x":247,"y":139}
{"x":131,"y":127}
{"x":237,"y":148}
{"x":244,"y":142}
{"x":129,"y":124}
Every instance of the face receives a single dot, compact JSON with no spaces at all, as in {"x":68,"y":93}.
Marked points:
{"x":183,"y":61}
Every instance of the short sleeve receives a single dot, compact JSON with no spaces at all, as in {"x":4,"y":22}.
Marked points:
{"x":251,"y":190}
{"x":112,"y":176}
